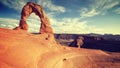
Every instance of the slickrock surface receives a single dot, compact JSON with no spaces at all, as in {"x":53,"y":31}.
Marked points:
{"x":19,"y":49}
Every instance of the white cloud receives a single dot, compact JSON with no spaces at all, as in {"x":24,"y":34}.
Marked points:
{"x":66,"y":25}
{"x":33,"y":22}
{"x":117,"y":11}
{"x":2,"y":25}
{"x":73,"y":25}
{"x":15,"y":4}
{"x":18,"y":5}
{"x":51,"y":6}
{"x":110,"y":4}
{"x":8,"y":23}
{"x":86,"y":13}
{"x":98,"y":7}
{"x":105,"y":5}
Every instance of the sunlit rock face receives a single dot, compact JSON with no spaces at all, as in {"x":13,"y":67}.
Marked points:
{"x":29,"y":8}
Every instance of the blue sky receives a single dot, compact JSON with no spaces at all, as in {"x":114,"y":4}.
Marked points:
{"x":67,"y":16}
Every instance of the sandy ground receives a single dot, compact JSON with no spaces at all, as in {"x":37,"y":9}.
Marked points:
{"x":19,"y":49}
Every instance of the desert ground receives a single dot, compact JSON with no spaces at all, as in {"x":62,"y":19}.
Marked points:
{"x":20,"y":49}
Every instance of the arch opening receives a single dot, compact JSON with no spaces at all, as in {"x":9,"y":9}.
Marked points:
{"x":33,"y":22}
{"x":29,"y":8}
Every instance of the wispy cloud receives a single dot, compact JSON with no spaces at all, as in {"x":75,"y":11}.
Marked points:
{"x":66,"y":25}
{"x":51,"y":6}
{"x":88,"y":13}
{"x":110,"y":4}
{"x":18,"y":4}
{"x":98,"y":7}
{"x":15,"y":4}
{"x":33,"y":22}
{"x":8,"y":23}
{"x":117,"y":11}
{"x":73,"y":25}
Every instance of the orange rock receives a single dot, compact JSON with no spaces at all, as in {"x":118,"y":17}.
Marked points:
{"x":19,"y":49}
{"x":29,"y":8}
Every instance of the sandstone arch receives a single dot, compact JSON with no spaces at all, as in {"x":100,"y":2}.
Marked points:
{"x":29,"y":8}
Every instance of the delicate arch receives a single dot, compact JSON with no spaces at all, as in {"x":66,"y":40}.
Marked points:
{"x":29,"y":8}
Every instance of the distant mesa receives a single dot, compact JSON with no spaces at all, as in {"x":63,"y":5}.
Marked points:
{"x":29,"y":8}
{"x":109,"y":43}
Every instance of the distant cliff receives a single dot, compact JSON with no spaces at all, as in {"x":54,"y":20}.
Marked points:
{"x":94,"y":41}
{"x":73,"y":36}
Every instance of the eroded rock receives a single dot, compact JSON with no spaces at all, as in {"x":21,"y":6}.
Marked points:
{"x":78,"y":42}
{"x":29,"y":8}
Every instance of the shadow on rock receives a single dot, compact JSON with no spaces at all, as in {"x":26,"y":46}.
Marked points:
{"x":92,"y":42}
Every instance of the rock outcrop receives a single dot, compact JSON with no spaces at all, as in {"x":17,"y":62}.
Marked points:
{"x":29,"y":8}
{"x":78,"y":42}
{"x":19,"y":49}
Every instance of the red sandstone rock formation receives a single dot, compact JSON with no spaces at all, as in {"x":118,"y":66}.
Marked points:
{"x":19,"y":49}
{"x":29,"y":8}
{"x":78,"y":42}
